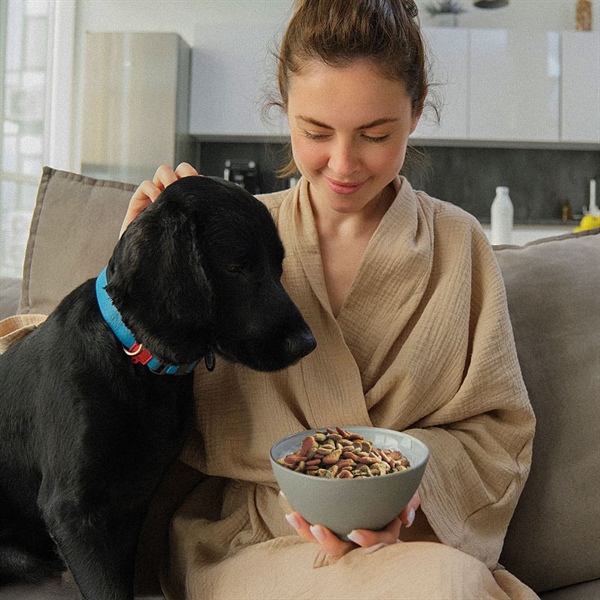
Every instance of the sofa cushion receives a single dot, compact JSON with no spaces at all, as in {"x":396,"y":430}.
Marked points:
{"x":75,"y":225}
{"x":10,"y":291}
{"x":553,"y":290}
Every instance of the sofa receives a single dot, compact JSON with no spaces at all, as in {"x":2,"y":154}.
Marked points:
{"x":553,"y":291}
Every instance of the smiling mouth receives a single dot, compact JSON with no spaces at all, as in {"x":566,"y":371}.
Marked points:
{"x":340,"y":187}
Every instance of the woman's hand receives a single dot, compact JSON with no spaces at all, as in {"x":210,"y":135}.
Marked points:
{"x":148,"y":191}
{"x":335,"y":548}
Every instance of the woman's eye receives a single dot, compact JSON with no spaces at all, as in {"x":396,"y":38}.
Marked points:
{"x":376,"y":139}
{"x":315,"y":136}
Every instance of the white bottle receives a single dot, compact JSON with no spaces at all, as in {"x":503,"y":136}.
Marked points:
{"x":593,"y":210}
{"x":502,"y":217}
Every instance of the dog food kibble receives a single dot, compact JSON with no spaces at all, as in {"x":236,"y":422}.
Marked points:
{"x":336,"y":453}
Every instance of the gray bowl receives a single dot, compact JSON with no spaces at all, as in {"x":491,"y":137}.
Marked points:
{"x":342,"y":505}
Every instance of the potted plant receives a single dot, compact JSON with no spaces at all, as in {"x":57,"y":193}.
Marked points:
{"x":445,"y":12}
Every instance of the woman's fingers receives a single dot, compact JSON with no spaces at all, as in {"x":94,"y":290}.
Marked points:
{"x":407,"y":516}
{"x":185,"y":170}
{"x":164,"y":176}
{"x":331,"y":544}
{"x":366,"y":538}
{"x":148,"y":191}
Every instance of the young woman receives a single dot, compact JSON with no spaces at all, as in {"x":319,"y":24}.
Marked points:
{"x":407,"y":303}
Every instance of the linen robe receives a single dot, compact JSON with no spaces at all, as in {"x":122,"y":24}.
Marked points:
{"x":422,"y":344}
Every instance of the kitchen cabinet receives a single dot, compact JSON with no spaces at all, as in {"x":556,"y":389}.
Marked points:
{"x":232,"y":69}
{"x":580,"y":87}
{"x":514,"y":86}
{"x":448,"y":52}
{"x":492,"y":85}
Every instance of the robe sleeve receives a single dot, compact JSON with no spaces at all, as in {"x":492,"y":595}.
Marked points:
{"x":481,"y":439}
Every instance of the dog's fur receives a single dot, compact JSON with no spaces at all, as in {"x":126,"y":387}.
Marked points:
{"x":85,"y":434}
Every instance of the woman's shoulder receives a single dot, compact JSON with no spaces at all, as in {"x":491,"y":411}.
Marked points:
{"x":448,"y":216}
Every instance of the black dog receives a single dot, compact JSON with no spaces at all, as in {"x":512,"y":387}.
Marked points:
{"x":88,"y":429}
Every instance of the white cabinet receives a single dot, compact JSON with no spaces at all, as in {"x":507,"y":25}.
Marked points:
{"x":232,"y":66}
{"x":514,"y":85}
{"x":494,"y":85}
{"x":491,"y":85}
{"x":448,"y":52}
{"x":580,"y":118}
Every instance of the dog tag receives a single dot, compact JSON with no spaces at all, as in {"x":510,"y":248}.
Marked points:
{"x":209,"y":360}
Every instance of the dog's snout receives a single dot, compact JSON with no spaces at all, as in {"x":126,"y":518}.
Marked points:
{"x":301,"y":344}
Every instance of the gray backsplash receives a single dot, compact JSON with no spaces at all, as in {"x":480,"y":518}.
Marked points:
{"x":540,"y":180}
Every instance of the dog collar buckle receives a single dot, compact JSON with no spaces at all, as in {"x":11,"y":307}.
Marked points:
{"x":138,"y":354}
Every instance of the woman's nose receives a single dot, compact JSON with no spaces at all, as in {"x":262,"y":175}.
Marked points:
{"x":344,"y":158}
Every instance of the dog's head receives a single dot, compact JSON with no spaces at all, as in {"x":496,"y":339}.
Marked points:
{"x":199,"y":271}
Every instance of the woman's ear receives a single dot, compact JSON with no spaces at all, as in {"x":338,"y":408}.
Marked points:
{"x":416,"y":117}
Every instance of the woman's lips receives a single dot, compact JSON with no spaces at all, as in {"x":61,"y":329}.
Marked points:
{"x":340,"y":187}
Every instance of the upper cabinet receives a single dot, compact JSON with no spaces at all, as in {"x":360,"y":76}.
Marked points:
{"x":490,"y":85}
{"x":232,"y":65}
{"x":580,"y":90}
{"x":448,"y":49}
{"x":511,"y":86}
{"x":514,"y":85}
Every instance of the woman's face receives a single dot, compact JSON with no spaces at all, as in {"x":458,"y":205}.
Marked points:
{"x":349,"y":132}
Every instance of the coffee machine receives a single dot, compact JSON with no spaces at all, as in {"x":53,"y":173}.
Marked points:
{"x":242,"y":172}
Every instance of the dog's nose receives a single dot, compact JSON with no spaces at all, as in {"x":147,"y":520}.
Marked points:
{"x":301,"y":344}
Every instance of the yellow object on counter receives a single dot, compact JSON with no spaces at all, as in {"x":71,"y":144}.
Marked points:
{"x":588,"y":222}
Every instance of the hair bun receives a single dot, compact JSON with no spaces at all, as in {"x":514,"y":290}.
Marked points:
{"x":410,"y":6}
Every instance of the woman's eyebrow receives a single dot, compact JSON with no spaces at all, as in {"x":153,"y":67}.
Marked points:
{"x":375,"y":123}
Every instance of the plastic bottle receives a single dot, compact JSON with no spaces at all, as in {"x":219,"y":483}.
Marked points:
{"x":501,"y":217}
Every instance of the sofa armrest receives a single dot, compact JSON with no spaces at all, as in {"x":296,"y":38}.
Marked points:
{"x":553,"y":292}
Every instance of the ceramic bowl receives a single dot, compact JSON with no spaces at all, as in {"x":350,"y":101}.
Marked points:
{"x":342,"y":505}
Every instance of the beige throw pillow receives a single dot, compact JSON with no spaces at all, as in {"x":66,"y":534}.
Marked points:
{"x":74,"y":229}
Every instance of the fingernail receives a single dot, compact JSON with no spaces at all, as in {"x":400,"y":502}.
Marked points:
{"x":411,"y":517}
{"x":318,"y":533}
{"x":356,"y":537}
{"x":292,"y":519}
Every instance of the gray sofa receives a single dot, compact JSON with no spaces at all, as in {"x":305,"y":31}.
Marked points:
{"x":553,"y":289}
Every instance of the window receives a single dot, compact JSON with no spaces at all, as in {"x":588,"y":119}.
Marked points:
{"x":24,"y":72}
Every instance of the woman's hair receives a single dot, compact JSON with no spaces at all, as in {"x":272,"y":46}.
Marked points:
{"x":339,"y":32}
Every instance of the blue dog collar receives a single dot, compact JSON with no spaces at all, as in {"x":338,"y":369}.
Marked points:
{"x":138,"y":354}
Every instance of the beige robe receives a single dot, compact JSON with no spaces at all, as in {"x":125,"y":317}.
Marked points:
{"x":423,"y":344}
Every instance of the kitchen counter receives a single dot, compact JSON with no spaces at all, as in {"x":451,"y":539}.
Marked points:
{"x":523,"y":234}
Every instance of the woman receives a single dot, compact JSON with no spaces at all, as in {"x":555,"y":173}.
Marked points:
{"x":407,"y":303}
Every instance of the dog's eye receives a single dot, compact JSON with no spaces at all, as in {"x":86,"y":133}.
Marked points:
{"x":235,"y":268}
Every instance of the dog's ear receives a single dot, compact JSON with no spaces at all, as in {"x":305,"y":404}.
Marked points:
{"x":157,"y":276}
